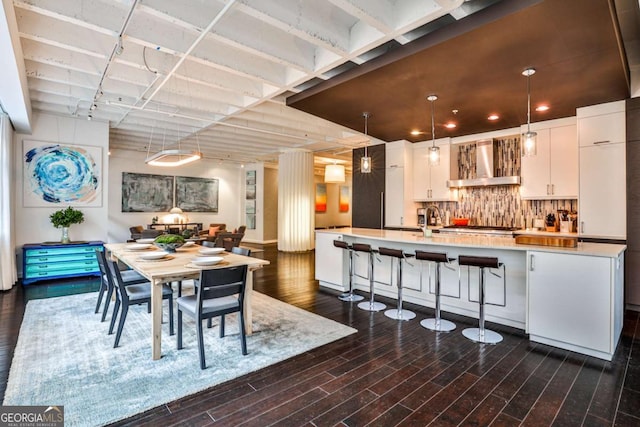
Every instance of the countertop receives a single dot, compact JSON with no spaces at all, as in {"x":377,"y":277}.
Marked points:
{"x":495,"y":242}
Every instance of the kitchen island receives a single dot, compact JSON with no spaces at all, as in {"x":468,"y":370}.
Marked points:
{"x":566,"y":297}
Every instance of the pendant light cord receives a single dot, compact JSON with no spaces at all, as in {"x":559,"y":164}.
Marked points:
{"x":529,"y":103}
{"x":433,"y":124}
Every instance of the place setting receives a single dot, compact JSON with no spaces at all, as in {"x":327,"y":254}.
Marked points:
{"x":204,"y":262}
{"x":212,"y":251}
{"x":140,"y":247}
{"x":155,"y":256}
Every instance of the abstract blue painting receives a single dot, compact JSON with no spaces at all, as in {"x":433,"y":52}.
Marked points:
{"x":61,"y":174}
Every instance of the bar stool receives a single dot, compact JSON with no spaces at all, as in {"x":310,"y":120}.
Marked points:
{"x":437,"y":324}
{"x":397,"y":313}
{"x":480,"y":334}
{"x":349,"y":296}
{"x":370,"y":305}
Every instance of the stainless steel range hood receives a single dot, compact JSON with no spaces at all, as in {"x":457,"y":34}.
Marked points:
{"x":484,"y":170}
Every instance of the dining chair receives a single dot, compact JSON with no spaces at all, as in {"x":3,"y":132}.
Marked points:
{"x":228,"y":240}
{"x":133,"y":294}
{"x":129,"y":277}
{"x":241,"y":251}
{"x":221,"y":292}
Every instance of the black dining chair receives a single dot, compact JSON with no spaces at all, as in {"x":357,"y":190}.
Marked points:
{"x":241,"y":251}
{"x":129,"y":277}
{"x":220,"y":292}
{"x":127,"y":295}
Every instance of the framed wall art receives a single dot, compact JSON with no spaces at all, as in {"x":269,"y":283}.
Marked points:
{"x":250,"y":200}
{"x":146,"y":192}
{"x":321,"y":197}
{"x":57,"y":174}
{"x":197,"y":194}
{"x":343,"y":199}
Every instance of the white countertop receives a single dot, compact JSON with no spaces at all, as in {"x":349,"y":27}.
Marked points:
{"x":495,"y":242}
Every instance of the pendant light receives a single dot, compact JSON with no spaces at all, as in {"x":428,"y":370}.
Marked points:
{"x":529,"y":138}
{"x":434,"y":152}
{"x":334,"y":173}
{"x":365,"y":161}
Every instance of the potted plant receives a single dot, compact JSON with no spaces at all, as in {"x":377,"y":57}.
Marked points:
{"x":550,"y":222}
{"x":169,"y":242}
{"x":64,"y":218}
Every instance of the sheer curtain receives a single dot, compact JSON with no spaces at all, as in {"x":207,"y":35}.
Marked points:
{"x":8,"y":275}
{"x":296,"y":214}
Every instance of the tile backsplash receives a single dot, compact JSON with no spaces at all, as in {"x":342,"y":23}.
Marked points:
{"x":500,"y":206}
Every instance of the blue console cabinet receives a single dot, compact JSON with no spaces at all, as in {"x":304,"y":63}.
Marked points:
{"x":55,"y":261}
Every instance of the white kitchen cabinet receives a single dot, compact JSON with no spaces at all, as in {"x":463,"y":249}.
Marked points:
{"x":430,"y":182}
{"x":602,"y":204}
{"x":331,"y":262}
{"x":555,"y":282}
{"x":601,"y":124}
{"x":400,"y":209}
{"x":553,"y":172}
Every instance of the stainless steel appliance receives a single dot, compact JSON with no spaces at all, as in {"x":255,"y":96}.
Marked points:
{"x":422,"y":217}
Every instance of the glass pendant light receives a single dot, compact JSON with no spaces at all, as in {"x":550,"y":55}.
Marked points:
{"x":529,"y":138}
{"x":434,"y":152}
{"x":365,"y":161}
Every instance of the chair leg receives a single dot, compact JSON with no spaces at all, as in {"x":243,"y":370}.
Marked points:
{"x":106,"y":303}
{"x":123,"y":317}
{"x":179,"y":338}
{"x":243,"y":337}
{"x":179,"y":288}
{"x":116,"y":307}
{"x":200,"y":343}
{"x":209,"y":322}
{"x":222,"y":326}
{"x":100,"y":295}
{"x":171,"y":331}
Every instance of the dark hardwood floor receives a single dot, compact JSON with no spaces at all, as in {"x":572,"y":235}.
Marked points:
{"x":392,"y":373}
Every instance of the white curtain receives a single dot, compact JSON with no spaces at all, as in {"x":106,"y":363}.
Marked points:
{"x":296,"y":198}
{"x":8,"y":274}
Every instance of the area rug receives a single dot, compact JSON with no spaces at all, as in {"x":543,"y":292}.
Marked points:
{"x":65,"y":357}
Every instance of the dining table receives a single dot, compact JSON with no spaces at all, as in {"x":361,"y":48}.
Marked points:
{"x":178,"y":266}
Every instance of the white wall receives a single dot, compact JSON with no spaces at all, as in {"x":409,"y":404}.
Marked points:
{"x":230,"y":195}
{"x":32,"y":223}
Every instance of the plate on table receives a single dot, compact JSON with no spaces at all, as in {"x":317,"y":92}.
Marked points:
{"x":139,"y":246}
{"x":149,"y":240}
{"x":189,"y":243}
{"x":211,"y":251}
{"x":206,"y":260}
{"x":153,"y":255}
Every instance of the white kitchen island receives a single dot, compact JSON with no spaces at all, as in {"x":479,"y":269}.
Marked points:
{"x":570,"y":298}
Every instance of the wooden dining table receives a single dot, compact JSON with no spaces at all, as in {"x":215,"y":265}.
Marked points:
{"x":176,"y":267}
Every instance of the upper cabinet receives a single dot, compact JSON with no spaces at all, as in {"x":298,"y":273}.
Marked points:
{"x":603,"y":199}
{"x":430,"y":182}
{"x":553,"y":172}
{"x":400,"y":209}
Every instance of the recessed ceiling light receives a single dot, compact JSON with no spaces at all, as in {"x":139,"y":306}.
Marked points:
{"x":493,"y":117}
{"x":415,"y":132}
{"x":542,"y":108}
{"x":450,"y":125}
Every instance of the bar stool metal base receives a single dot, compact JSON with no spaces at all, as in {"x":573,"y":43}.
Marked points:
{"x":400,"y":314}
{"x":489,"y":337}
{"x":350,"y":297}
{"x":372,"y":306}
{"x":442,"y":326}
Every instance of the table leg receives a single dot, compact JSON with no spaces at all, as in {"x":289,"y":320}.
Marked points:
{"x":248,"y":316}
{"x":156,"y":320}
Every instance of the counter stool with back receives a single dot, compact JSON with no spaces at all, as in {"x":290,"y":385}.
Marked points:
{"x":370,"y":305}
{"x":348,"y":296}
{"x":480,"y":334}
{"x":397,"y":313}
{"x":438,"y":323}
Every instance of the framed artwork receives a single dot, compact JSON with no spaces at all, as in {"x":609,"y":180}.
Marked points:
{"x":56,"y":174}
{"x":321,"y":197}
{"x":343,"y":199}
{"x":250,"y":199}
{"x":197,"y":194}
{"x":146,"y":193}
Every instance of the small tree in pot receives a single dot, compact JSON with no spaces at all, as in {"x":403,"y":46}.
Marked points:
{"x":64,"y":218}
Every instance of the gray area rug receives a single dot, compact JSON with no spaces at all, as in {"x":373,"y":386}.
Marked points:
{"x":65,"y":357}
